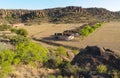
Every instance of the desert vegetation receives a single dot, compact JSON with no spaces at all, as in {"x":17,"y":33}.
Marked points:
{"x":24,"y":52}
{"x":86,"y":30}
{"x":4,"y":27}
{"x":20,"y":31}
{"x":23,"y":57}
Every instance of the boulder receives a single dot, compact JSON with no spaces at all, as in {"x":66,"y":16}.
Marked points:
{"x":95,"y":56}
{"x":70,"y":55}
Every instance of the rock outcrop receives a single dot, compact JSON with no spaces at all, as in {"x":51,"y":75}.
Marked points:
{"x":70,"y":14}
{"x":94,"y":56}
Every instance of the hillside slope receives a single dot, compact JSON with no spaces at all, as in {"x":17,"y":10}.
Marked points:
{"x":70,"y":14}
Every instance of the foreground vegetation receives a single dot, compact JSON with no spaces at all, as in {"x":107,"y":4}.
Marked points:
{"x":23,"y":53}
{"x":26,"y":52}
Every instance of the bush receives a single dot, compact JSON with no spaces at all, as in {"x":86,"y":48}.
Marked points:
{"x":54,"y":62}
{"x":6,"y":59}
{"x":5,"y":68}
{"x":59,"y":76}
{"x":67,"y":69}
{"x":101,"y":69}
{"x":22,"y":32}
{"x":7,"y":56}
{"x":84,"y":32}
{"x":61,"y":51}
{"x":4,"y":27}
{"x":75,"y":51}
{"x":88,"y":29}
{"x":51,"y":76}
{"x":13,"y":30}
{"x":18,"y":39}
{"x":31,"y":52}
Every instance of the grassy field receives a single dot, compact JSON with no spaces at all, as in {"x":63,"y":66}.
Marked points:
{"x":46,"y":30}
{"x":107,"y":36}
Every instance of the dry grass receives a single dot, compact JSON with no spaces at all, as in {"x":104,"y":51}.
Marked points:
{"x":46,"y":30}
{"x":106,"y":36}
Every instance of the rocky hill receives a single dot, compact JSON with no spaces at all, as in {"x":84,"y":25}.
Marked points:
{"x":70,"y":14}
{"x":93,"y":57}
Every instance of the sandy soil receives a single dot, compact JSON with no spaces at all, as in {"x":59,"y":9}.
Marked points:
{"x":107,"y":36}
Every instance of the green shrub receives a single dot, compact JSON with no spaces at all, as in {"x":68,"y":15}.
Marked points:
{"x":67,"y":69}
{"x":4,"y":27}
{"x":59,"y":76}
{"x":16,"y":61}
{"x":51,"y":76}
{"x":5,"y":68}
{"x":102,"y":69}
{"x":84,"y":32}
{"x":88,"y":29}
{"x":13,"y":30}
{"x":24,"y":53}
{"x":6,"y":59}
{"x":7,"y":56}
{"x":18,"y":39}
{"x":22,"y":32}
{"x":31,"y":52}
{"x":61,"y":51}
{"x":75,"y":51}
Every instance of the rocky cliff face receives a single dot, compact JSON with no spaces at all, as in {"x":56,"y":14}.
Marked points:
{"x":70,"y":14}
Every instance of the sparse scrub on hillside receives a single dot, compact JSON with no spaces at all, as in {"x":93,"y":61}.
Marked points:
{"x":61,"y":51}
{"x":55,"y":57}
{"x":23,"y":53}
{"x":13,"y":30}
{"x":4,"y":27}
{"x":21,"y":31}
{"x":18,"y":39}
{"x":67,"y":69}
